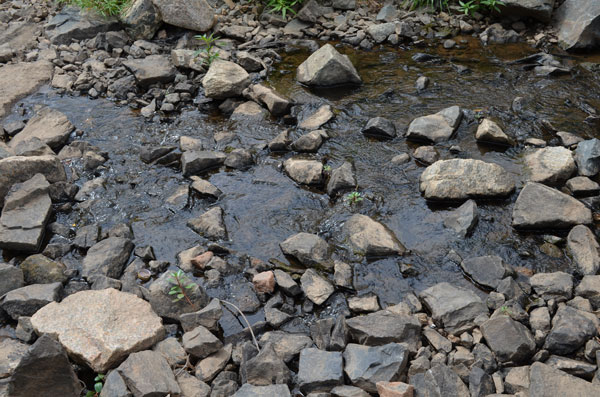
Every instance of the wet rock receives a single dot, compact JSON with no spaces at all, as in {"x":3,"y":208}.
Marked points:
{"x":380,"y":127}
{"x":584,"y":249}
{"x":210,"y":224}
{"x":225,"y":79}
{"x":320,"y":370}
{"x":547,"y":381}
{"x":587,"y":156}
{"x":107,"y":258}
{"x":209,"y":367}
{"x":207,"y":317}
{"x":463,"y":219}
{"x":266,"y":368}
{"x":341,"y":179}
{"x":25,"y":301}
{"x":287,"y":346}
{"x":461,"y":179}
{"x":248,"y":390}
{"x":510,"y":340}
{"x":200,"y":342}
{"x":384,"y":327}
{"x":437,"y":127}
{"x":571,"y":328}
{"x":141,"y":19}
{"x":487,"y":271}
{"x":589,"y":288}
{"x":205,"y":188}
{"x":152,"y":69}
{"x":316,"y":288}
{"x":426,"y":155}
{"x":308,"y":172}
{"x":453,"y":308}
{"x":308,"y":249}
{"x":327,"y":67}
{"x":72,"y":23}
{"x":163,"y":304}
{"x":541,"y":207}
{"x":309,"y":143}
{"x":276,"y":104}
{"x":49,"y":126}
{"x":198,"y":161}
{"x":39,"y":269}
{"x":26,"y":211}
{"x":400,"y":159}
{"x":264,"y":282}
{"x":577,"y":23}
{"x":380,"y":32}
{"x":365,"y":366}
{"x":281,"y":143}
{"x":250,"y":63}
{"x":557,"y":285}
{"x":248,"y":111}
{"x":195,"y":15}
{"x":20,"y":79}
{"x":245,"y":298}
{"x":11,"y":277}
{"x":551,"y":165}
{"x":371,"y":238}
{"x":113,"y":325}
{"x":45,"y":367}
{"x":317,"y":119}
{"x":240,"y":159}
{"x":148,"y":374}
{"x":496,"y":34}
{"x":439,"y":380}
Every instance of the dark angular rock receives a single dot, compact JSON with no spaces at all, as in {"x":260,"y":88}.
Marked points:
{"x":365,"y":366}
{"x":571,"y":328}
{"x":380,"y":127}
{"x":384,"y":327}
{"x":25,"y":301}
{"x":148,"y":374}
{"x":510,"y":341}
{"x":320,"y":370}
{"x":487,"y":271}
{"x":107,"y":258}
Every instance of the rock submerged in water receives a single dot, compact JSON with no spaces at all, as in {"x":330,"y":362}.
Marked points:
{"x":542,"y":207}
{"x":327,"y":67}
{"x":308,"y":249}
{"x":371,"y":238}
{"x":307,"y":172}
{"x":461,"y":179}
{"x":438,"y":127}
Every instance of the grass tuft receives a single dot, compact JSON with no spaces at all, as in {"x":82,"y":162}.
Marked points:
{"x":103,"y":7}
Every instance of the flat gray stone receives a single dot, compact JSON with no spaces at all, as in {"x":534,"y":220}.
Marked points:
{"x":487,"y":271}
{"x":26,"y":301}
{"x":320,"y":370}
{"x":367,"y":365}
{"x":546,"y":381}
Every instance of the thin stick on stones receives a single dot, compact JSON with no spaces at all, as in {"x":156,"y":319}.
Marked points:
{"x":247,"y":323}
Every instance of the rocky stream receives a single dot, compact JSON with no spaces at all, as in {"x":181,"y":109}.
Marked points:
{"x":358,"y":200}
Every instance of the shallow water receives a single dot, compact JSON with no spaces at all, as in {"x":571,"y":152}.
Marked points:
{"x":263,"y":206}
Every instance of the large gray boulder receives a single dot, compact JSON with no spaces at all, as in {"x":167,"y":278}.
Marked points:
{"x":20,"y":79}
{"x":371,"y":238}
{"x":148,"y":374}
{"x":19,"y":169}
{"x":73,"y":23}
{"x":437,"y":127}
{"x":49,"y":126}
{"x":225,"y":79}
{"x":584,"y":249}
{"x":571,"y":329}
{"x":25,"y":301}
{"x":308,"y":249}
{"x":327,"y":67}
{"x":452,"y":308}
{"x":306,"y":172}
{"x":107,"y":258}
{"x":557,"y":285}
{"x":320,"y":370}
{"x":546,"y":381}
{"x":461,"y":179}
{"x":26,"y":211}
{"x":366,"y":365}
{"x":195,"y":15}
{"x":463,"y":219}
{"x":550,"y":165}
{"x":542,"y":207}
{"x":510,"y":340}
{"x":141,"y":19}
{"x":102,"y":327}
{"x":487,"y":271}
{"x":385,"y":327}
{"x":538,"y":9}
{"x":578,"y":24}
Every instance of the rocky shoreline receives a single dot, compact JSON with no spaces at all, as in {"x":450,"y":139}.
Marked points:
{"x":80,"y":300}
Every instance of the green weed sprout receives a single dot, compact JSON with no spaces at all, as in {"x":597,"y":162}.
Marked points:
{"x":98,"y":384}
{"x":354,"y":197}
{"x":210,"y":41}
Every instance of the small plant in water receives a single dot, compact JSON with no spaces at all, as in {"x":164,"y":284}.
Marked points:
{"x":327,"y":168}
{"x":181,"y":284}
{"x":209,"y":54}
{"x":98,"y":383}
{"x":283,"y":6}
{"x":354,"y":197}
